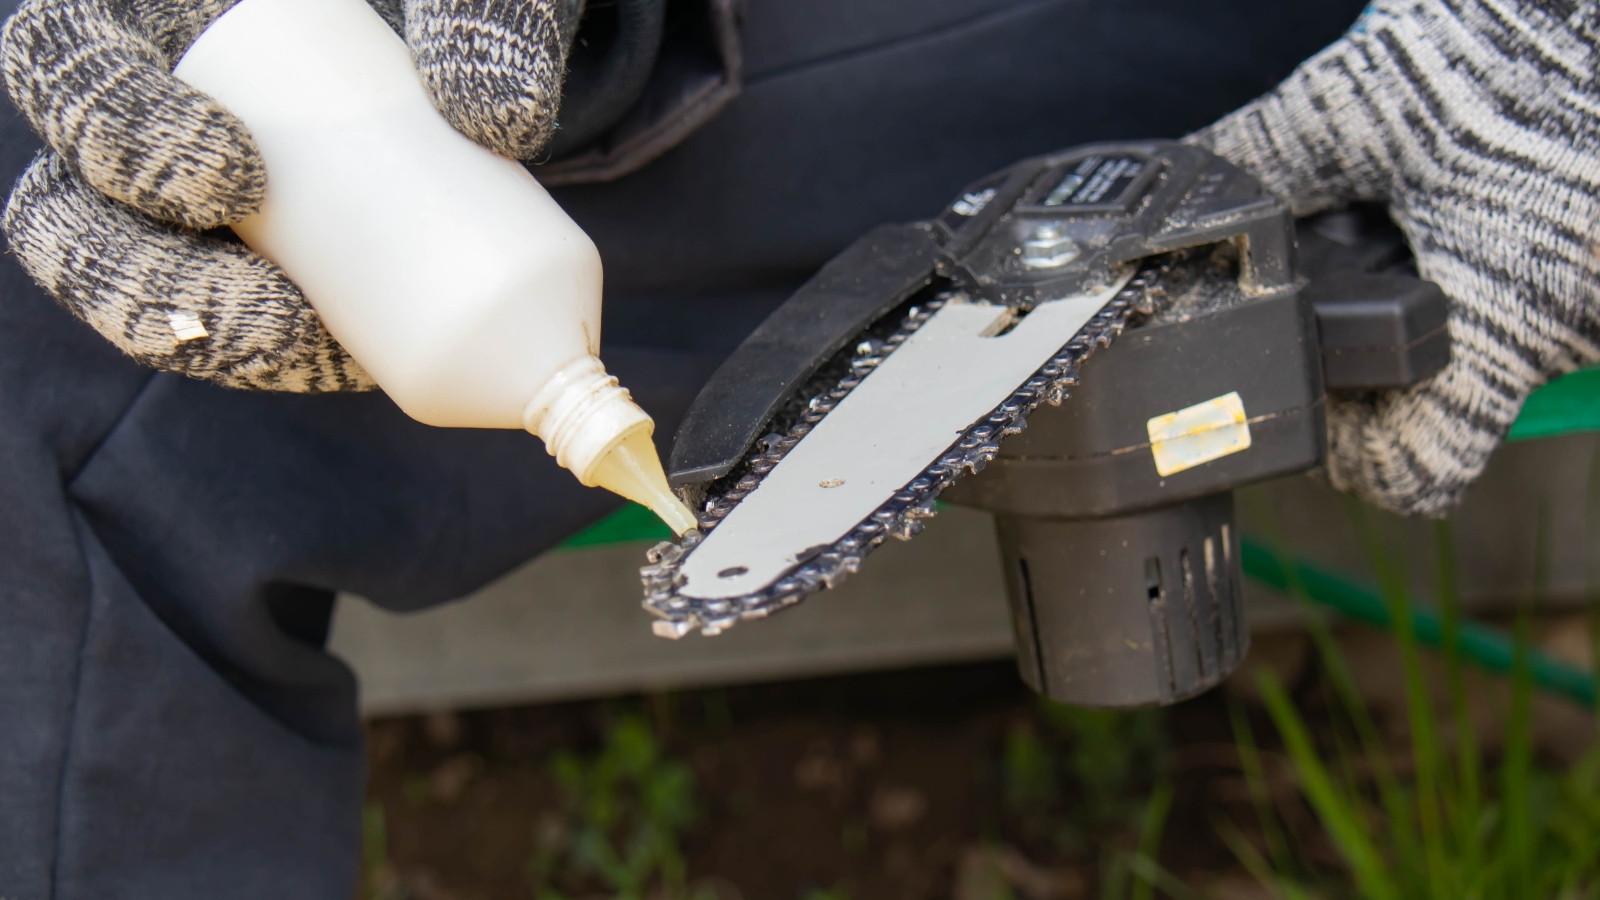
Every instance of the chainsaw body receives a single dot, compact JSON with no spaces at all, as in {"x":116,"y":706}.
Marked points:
{"x":1114,"y":504}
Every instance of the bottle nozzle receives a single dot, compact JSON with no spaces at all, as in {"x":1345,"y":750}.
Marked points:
{"x":633,"y":469}
{"x":593,"y":428}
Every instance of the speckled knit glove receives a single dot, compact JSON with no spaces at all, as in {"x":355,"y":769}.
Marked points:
{"x":93,"y":79}
{"x":1478,"y":122}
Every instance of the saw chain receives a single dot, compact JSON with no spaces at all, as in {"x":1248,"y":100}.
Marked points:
{"x":903,"y":514}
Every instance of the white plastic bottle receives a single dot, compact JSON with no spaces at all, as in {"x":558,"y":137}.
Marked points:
{"x":447,"y":271}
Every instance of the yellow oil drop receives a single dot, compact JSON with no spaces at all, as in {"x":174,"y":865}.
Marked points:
{"x":633,"y":470}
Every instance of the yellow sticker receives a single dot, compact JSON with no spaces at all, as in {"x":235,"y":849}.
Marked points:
{"x":1203,"y":432}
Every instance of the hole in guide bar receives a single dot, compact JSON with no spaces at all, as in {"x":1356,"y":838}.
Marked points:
{"x":733,"y":571}
{"x":1006,"y":323}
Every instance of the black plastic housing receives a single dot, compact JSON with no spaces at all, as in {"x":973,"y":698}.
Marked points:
{"x":1381,"y":326}
{"x":1126,"y":610}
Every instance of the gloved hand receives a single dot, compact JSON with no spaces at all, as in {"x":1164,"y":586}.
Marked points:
{"x":1478,"y":123}
{"x":111,"y":218}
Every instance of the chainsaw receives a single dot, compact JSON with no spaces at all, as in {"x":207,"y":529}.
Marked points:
{"x":1157,"y":285}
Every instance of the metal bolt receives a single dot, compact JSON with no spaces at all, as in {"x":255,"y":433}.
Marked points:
{"x":1048,"y":248}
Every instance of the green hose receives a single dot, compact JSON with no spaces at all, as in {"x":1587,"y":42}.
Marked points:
{"x":1487,"y":647}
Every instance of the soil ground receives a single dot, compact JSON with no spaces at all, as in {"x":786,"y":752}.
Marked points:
{"x":871,"y":786}
{"x":944,"y":782}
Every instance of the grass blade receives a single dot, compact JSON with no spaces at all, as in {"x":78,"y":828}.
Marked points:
{"x":1517,"y":768}
{"x":1255,"y":778}
{"x":1390,"y":793}
{"x":1425,"y":755}
{"x":1149,"y":874}
{"x":1277,"y":882}
{"x":1154,"y":822}
{"x":1466,"y":806}
{"x":1344,"y":823}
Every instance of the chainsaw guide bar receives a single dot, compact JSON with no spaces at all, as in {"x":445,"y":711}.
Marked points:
{"x":902,"y":515}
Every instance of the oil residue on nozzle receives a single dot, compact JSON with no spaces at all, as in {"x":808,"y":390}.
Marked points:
{"x":633,"y":470}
